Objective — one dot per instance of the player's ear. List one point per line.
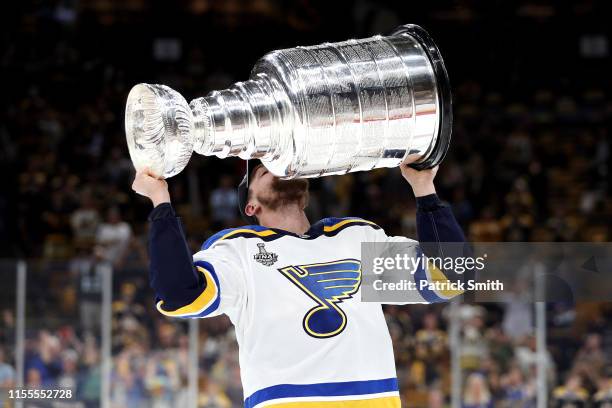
(251, 209)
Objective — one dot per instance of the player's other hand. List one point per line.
(147, 184)
(422, 182)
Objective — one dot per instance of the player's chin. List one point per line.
(295, 188)
(286, 192)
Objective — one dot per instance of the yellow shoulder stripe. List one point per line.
(344, 222)
(436, 275)
(200, 303)
(265, 233)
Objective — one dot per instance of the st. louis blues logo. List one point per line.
(328, 284)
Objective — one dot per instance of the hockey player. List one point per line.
(291, 289)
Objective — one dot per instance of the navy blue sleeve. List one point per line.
(171, 271)
(436, 222)
(437, 226)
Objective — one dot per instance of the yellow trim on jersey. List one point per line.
(436, 275)
(265, 233)
(344, 222)
(200, 303)
(384, 402)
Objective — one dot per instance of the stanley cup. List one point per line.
(307, 111)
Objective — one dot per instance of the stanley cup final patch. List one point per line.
(264, 257)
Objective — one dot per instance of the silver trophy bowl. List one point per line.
(307, 111)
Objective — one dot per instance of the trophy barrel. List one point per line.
(362, 104)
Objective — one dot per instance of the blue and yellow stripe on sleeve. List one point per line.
(433, 285)
(206, 303)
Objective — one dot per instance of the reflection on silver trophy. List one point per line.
(307, 111)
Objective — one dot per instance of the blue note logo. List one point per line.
(328, 284)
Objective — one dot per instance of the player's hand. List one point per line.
(147, 184)
(422, 182)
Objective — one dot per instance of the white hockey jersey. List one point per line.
(305, 338)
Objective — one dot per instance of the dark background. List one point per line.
(529, 160)
(530, 81)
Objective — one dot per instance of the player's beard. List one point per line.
(285, 193)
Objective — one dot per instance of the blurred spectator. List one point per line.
(603, 396)
(112, 236)
(162, 380)
(68, 379)
(126, 307)
(118, 166)
(7, 326)
(474, 347)
(430, 347)
(516, 391)
(128, 389)
(590, 361)
(214, 397)
(90, 381)
(436, 399)
(527, 357)
(591, 353)
(501, 347)
(487, 228)
(518, 317)
(7, 373)
(462, 207)
(33, 379)
(476, 394)
(571, 393)
(223, 203)
(88, 275)
(84, 220)
(43, 363)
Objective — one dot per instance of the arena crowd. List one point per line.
(529, 161)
